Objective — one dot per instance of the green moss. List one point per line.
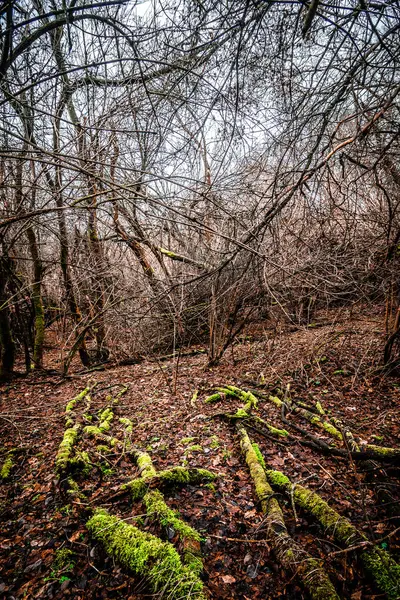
(117, 398)
(193, 399)
(105, 418)
(156, 507)
(146, 556)
(138, 487)
(92, 430)
(81, 462)
(128, 424)
(213, 398)
(278, 432)
(168, 253)
(271, 429)
(384, 570)
(73, 488)
(319, 408)
(7, 466)
(102, 448)
(384, 452)
(251, 402)
(65, 449)
(290, 554)
(72, 403)
(239, 414)
(185, 475)
(277, 478)
(260, 457)
(214, 442)
(145, 464)
(194, 448)
(187, 440)
(211, 487)
(263, 489)
(173, 476)
(332, 430)
(229, 391)
(63, 562)
(235, 391)
(193, 562)
(277, 401)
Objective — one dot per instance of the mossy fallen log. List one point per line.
(377, 562)
(290, 554)
(158, 509)
(147, 556)
(66, 448)
(317, 421)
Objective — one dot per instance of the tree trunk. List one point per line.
(37, 299)
(7, 347)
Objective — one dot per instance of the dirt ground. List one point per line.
(335, 361)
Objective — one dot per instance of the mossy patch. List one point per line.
(260, 457)
(127, 423)
(214, 442)
(194, 448)
(7, 466)
(187, 440)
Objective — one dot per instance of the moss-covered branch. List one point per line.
(70, 416)
(173, 476)
(377, 562)
(147, 556)
(292, 556)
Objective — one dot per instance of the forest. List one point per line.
(200, 299)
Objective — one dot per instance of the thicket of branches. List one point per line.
(170, 170)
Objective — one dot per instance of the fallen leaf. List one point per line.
(228, 579)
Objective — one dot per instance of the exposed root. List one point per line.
(289, 553)
(379, 563)
(147, 556)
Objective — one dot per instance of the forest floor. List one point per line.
(335, 361)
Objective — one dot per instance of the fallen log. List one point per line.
(290, 554)
(147, 556)
(377, 562)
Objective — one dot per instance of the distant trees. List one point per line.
(170, 171)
